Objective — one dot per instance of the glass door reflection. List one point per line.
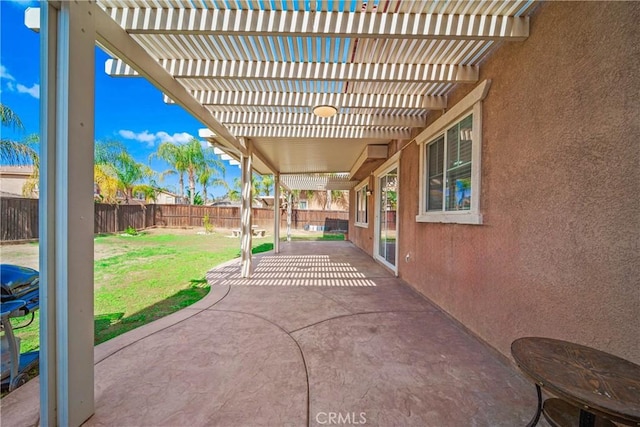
(388, 208)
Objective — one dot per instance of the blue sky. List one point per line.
(129, 110)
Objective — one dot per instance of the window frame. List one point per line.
(306, 205)
(469, 105)
(362, 187)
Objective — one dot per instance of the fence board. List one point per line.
(20, 218)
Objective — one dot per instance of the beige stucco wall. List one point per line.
(558, 253)
(13, 179)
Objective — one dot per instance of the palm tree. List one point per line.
(174, 155)
(130, 173)
(15, 153)
(340, 198)
(206, 177)
(9, 118)
(193, 160)
(266, 184)
(235, 193)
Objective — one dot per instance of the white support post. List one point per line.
(246, 233)
(67, 47)
(289, 217)
(276, 213)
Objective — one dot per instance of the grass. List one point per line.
(149, 277)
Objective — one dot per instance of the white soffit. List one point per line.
(336, 181)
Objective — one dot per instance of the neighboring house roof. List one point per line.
(19, 170)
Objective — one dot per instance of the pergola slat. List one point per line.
(339, 100)
(321, 23)
(318, 131)
(261, 70)
(282, 118)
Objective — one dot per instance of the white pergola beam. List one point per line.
(281, 118)
(310, 100)
(319, 131)
(307, 71)
(370, 152)
(228, 22)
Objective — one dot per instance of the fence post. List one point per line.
(144, 216)
(117, 218)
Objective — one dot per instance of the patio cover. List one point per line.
(258, 68)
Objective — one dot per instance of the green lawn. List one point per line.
(143, 278)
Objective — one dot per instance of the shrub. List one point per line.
(208, 226)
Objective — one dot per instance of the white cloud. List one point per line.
(152, 138)
(147, 137)
(33, 90)
(127, 134)
(4, 74)
(14, 86)
(176, 138)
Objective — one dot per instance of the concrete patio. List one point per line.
(321, 335)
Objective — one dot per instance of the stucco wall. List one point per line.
(361, 236)
(558, 253)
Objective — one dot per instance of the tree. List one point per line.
(235, 192)
(106, 154)
(16, 153)
(174, 155)
(340, 198)
(266, 184)
(206, 177)
(115, 169)
(130, 173)
(199, 160)
(193, 160)
(9, 118)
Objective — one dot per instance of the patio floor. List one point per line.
(321, 333)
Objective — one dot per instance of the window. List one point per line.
(449, 169)
(362, 206)
(450, 163)
(302, 204)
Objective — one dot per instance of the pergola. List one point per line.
(252, 72)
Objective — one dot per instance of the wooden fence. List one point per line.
(19, 218)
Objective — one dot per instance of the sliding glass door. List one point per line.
(386, 222)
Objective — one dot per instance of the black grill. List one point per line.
(20, 283)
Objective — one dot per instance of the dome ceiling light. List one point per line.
(325, 111)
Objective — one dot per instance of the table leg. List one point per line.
(536, 417)
(587, 419)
